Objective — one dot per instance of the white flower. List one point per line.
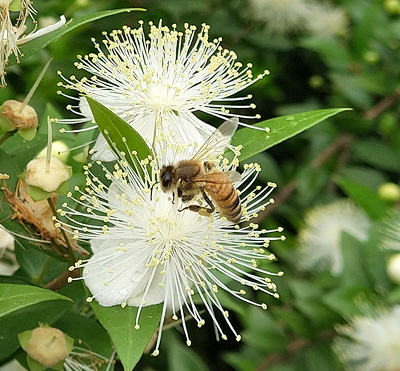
(280, 16)
(83, 359)
(8, 262)
(320, 238)
(326, 20)
(157, 83)
(145, 251)
(391, 232)
(372, 342)
(11, 33)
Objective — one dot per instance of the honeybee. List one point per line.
(199, 176)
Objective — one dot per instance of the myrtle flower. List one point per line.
(12, 32)
(157, 83)
(280, 16)
(326, 20)
(371, 342)
(320, 238)
(146, 251)
(391, 232)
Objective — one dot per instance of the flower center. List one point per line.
(161, 98)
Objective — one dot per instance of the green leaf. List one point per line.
(377, 154)
(368, 200)
(33, 46)
(22, 307)
(295, 321)
(120, 325)
(281, 128)
(354, 270)
(308, 301)
(27, 134)
(262, 331)
(86, 331)
(344, 300)
(181, 357)
(119, 134)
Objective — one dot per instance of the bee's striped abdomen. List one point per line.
(226, 197)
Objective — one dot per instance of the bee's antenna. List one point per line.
(151, 190)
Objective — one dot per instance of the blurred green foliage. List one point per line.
(350, 155)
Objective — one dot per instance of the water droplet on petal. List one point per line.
(123, 292)
(136, 276)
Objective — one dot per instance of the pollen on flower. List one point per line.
(156, 103)
(169, 255)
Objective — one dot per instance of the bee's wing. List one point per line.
(234, 176)
(219, 177)
(215, 145)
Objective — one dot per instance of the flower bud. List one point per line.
(392, 6)
(19, 119)
(393, 268)
(4, 3)
(58, 150)
(47, 346)
(47, 179)
(389, 192)
(371, 57)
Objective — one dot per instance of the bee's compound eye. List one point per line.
(166, 177)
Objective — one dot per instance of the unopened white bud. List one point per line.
(58, 149)
(47, 346)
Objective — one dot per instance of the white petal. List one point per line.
(43, 31)
(113, 276)
(102, 150)
(6, 241)
(85, 108)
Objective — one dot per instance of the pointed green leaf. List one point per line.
(367, 199)
(118, 133)
(280, 129)
(22, 307)
(120, 325)
(33, 46)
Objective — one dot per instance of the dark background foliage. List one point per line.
(348, 156)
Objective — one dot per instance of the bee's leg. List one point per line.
(207, 199)
(186, 198)
(201, 209)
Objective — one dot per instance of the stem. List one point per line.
(382, 106)
(6, 136)
(44, 270)
(344, 141)
(49, 144)
(72, 258)
(35, 85)
(62, 280)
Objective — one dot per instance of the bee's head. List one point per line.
(166, 178)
